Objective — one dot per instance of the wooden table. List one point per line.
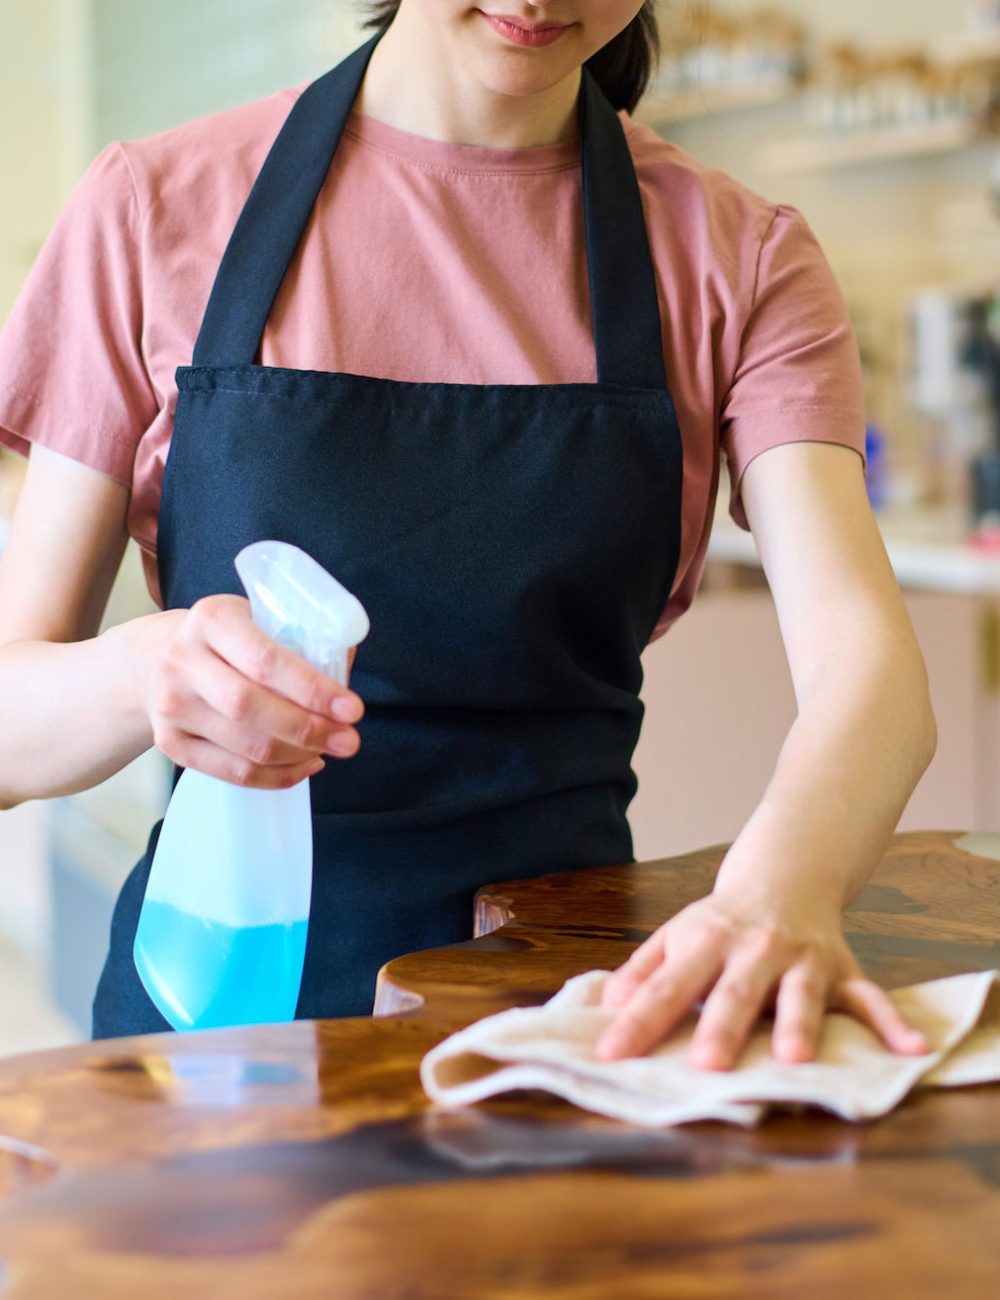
(303, 1160)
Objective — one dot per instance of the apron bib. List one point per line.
(514, 546)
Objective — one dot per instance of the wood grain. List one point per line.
(303, 1160)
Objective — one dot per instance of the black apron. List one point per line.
(514, 546)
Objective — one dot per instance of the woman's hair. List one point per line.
(622, 68)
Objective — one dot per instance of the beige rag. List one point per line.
(552, 1048)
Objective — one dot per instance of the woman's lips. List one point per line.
(513, 30)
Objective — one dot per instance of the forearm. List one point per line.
(771, 933)
(69, 717)
(862, 740)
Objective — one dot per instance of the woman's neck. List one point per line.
(416, 83)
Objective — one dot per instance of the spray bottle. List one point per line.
(221, 937)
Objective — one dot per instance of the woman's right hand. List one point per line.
(222, 697)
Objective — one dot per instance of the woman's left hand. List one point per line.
(746, 957)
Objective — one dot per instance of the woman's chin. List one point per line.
(520, 77)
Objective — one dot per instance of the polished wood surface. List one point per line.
(303, 1160)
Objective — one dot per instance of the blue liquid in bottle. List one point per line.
(207, 975)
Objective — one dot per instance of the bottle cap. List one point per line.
(301, 606)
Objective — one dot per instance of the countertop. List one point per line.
(304, 1160)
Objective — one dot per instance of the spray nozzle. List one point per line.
(301, 606)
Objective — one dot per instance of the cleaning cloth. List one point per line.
(552, 1048)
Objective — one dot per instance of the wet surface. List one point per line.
(938, 956)
(210, 1079)
(618, 933)
(886, 898)
(983, 1160)
(23, 1165)
(496, 941)
(252, 1199)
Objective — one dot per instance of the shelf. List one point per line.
(852, 148)
(708, 101)
(969, 50)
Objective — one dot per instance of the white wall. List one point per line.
(161, 62)
(77, 73)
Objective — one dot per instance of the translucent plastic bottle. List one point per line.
(222, 934)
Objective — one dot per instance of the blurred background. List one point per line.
(881, 123)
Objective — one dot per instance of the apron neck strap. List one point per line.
(624, 306)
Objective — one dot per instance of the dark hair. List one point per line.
(622, 68)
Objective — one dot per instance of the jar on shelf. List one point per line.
(900, 88)
(708, 61)
(953, 93)
(779, 42)
(841, 99)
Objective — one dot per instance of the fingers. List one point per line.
(731, 1011)
(225, 698)
(192, 751)
(242, 716)
(260, 748)
(873, 1007)
(798, 1014)
(623, 982)
(228, 628)
(744, 965)
(660, 1002)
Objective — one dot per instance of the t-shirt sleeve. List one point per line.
(798, 376)
(72, 374)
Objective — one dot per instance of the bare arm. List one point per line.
(203, 684)
(771, 932)
(865, 732)
(65, 721)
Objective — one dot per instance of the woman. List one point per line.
(475, 343)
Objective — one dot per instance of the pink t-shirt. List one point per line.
(423, 261)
